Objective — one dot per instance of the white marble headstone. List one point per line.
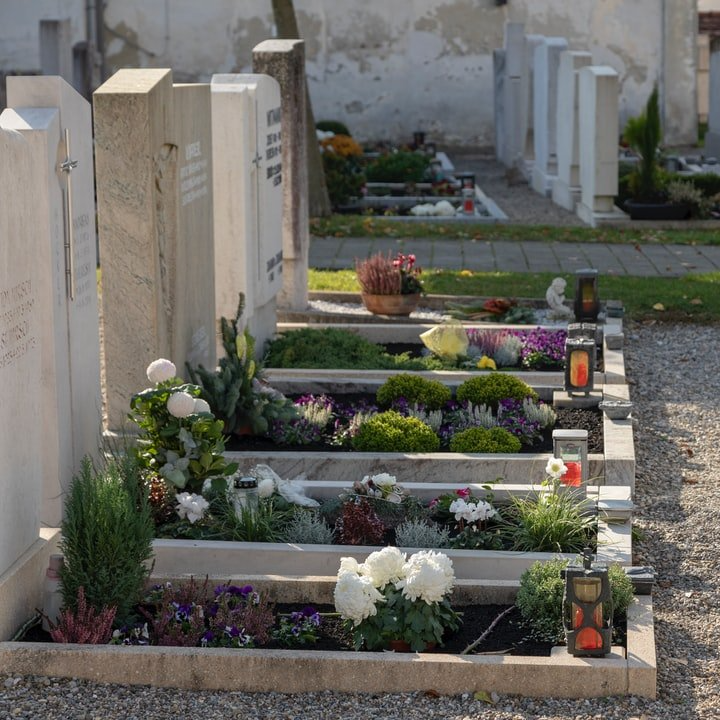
(566, 188)
(712, 136)
(513, 45)
(598, 89)
(69, 336)
(526, 97)
(247, 166)
(28, 142)
(545, 77)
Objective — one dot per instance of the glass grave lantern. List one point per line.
(571, 446)
(579, 364)
(586, 599)
(245, 495)
(587, 299)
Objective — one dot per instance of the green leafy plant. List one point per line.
(344, 178)
(540, 597)
(490, 389)
(333, 348)
(681, 192)
(415, 389)
(391, 432)
(398, 167)
(334, 126)
(235, 391)
(107, 534)
(485, 440)
(643, 134)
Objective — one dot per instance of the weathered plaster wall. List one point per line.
(389, 67)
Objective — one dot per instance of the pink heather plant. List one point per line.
(85, 626)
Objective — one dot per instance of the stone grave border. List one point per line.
(296, 671)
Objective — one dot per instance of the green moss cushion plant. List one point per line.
(415, 389)
(483, 440)
(540, 596)
(491, 389)
(391, 432)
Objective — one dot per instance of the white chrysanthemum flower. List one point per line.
(201, 406)
(429, 576)
(191, 506)
(181, 404)
(349, 565)
(444, 208)
(555, 468)
(384, 566)
(266, 487)
(355, 597)
(160, 370)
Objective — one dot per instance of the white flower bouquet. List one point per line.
(389, 597)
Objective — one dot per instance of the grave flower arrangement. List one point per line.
(180, 439)
(384, 275)
(392, 598)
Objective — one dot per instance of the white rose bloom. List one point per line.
(201, 406)
(429, 576)
(555, 468)
(355, 597)
(384, 566)
(266, 487)
(191, 506)
(181, 404)
(383, 480)
(160, 370)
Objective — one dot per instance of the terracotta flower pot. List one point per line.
(391, 304)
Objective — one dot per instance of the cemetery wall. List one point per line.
(390, 68)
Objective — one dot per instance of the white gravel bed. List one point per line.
(676, 389)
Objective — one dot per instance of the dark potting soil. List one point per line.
(567, 418)
(507, 637)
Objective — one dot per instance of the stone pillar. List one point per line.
(598, 89)
(284, 60)
(514, 34)
(526, 103)
(566, 188)
(499, 101)
(153, 153)
(712, 137)
(56, 53)
(545, 79)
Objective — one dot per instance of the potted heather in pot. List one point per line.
(390, 286)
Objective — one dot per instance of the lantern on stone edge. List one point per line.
(587, 299)
(579, 364)
(571, 446)
(586, 599)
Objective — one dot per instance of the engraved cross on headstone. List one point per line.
(67, 166)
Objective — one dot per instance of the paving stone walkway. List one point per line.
(518, 256)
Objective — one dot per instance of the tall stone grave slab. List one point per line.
(56, 53)
(712, 136)
(247, 176)
(545, 83)
(566, 188)
(598, 90)
(153, 155)
(526, 104)
(513, 45)
(284, 60)
(499, 101)
(64, 220)
(28, 145)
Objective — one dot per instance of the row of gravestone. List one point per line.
(556, 122)
(193, 186)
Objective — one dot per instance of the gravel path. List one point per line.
(676, 389)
